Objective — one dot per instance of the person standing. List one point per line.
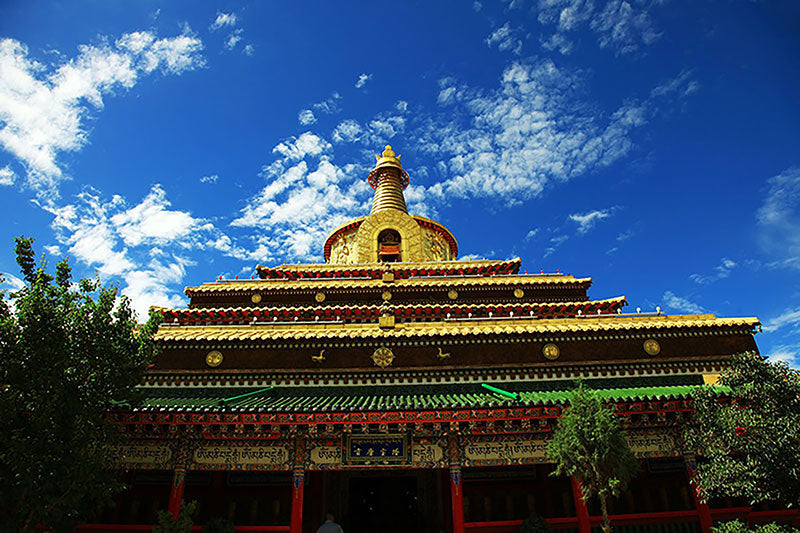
(330, 526)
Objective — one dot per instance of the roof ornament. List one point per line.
(388, 158)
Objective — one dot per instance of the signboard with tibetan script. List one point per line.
(154, 456)
(505, 451)
(273, 457)
(375, 450)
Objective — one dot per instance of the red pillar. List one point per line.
(582, 511)
(176, 492)
(296, 523)
(703, 512)
(457, 498)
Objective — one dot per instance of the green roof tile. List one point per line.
(435, 396)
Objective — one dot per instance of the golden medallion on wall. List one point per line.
(519, 293)
(256, 298)
(453, 294)
(214, 359)
(382, 356)
(320, 297)
(651, 347)
(551, 351)
(386, 296)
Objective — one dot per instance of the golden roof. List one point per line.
(453, 328)
(404, 265)
(413, 306)
(265, 285)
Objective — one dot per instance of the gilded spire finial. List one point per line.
(388, 158)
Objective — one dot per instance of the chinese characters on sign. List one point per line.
(376, 449)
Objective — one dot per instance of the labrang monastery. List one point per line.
(405, 390)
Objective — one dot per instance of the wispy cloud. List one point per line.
(779, 218)
(223, 20)
(721, 271)
(7, 176)
(620, 25)
(587, 221)
(790, 317)
(785, 353)
(505, 38)
(305, 195)
(362, 80)
(146, 245)
(43, 110)
(306, 117)
(537, 127)
(211, 178)
(683, 305)
(233, 39)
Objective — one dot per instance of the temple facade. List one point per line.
(403, 389)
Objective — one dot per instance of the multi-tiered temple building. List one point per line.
(403, 389)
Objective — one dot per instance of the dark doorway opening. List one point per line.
(383, 504)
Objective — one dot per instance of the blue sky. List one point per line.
(651, 145)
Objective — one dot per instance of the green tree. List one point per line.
(589, 444)
(747, 432)
(183, 524)
(738, 527)
(69, 353)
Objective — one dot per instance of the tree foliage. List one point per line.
(589, 444)
(738, 527)
(183, 524)
(748, 433)
(69, 353)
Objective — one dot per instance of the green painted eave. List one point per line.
(411, 397)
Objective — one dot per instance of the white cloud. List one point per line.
(223, 20)
(531, 234)
(248, 50)
(784, 353)
(144, 245)
(348, 131)
(305, 195)
(307, 144)
(10, 282)
(233, 39)
(779, 218)
(587, 221)
(682, 305)
(53, 250)
(624, 26)
(330, 105)
(362, 80)
(401, 106)
(535, 128)
(721, 271)
(152, 223)
(211, 178)
(7, 176)
(506, 39)
(790, 317)
(43, 110)
(306, 117)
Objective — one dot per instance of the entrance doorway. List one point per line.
(384, 504)
(378, 501)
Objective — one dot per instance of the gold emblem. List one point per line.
(386, 296)
(519, 293)
(453, 294)
(382, 356)
(651, 347)
(320, 297)
(551, 351)
(214, 359)
(256, 298)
